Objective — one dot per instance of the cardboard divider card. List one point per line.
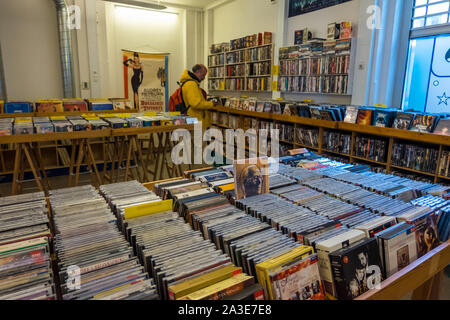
(148, 209)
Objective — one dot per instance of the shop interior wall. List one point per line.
(240, 18)
(317, 22)
(243, 17)
(29, 38)
(138, 30)
(30, 49)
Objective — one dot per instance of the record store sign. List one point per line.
(298, 7)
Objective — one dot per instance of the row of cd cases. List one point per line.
(163, 257)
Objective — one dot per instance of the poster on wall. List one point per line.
(298, 7)
(145, 80)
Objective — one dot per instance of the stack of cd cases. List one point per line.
(95, 262)
(25, 264)
(170, 250)
(245, 239)
(356, 195)
(127, 194)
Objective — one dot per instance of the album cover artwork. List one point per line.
(355, 268)
(251, 177)
(403, 257)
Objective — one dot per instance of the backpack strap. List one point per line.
(182, 99)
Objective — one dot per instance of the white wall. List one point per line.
(243, 17)
(240, 18)
(29, 37)
(317, 21)
(138, 30)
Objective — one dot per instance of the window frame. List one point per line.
(432, 30)
(423, 32)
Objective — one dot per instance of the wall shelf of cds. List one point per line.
(244, 64)
(393, 150)
(318, 67)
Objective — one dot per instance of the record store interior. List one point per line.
(225, 150)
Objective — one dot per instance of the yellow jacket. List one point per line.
(195, 101)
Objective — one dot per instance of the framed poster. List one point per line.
(298, 7)
(146, 80)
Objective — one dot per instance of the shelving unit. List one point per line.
(302, 77)
(223, 83)
(355, 130)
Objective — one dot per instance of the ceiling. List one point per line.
(188, 3)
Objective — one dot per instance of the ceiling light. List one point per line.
(153, 6)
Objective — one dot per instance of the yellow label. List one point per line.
(148, 209)
(274, 85)
(87, 115)
(23, 121)
(92, 118)
(108, 115)
(307, 100)
(279, 99)
(58, 118)
(175, 113)
(123, 115)
(222, 85)
(275, 70)
(49, 101)
(150, 114)
(381, 105)
(227, 187)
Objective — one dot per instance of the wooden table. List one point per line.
(27, 152)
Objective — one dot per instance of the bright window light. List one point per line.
(146, 15)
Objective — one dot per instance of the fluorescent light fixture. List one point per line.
(144, 15)
(147, 5)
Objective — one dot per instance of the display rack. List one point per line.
(68, 113)
(421, 277)
(306, 73)
(217, 82)
(115, 147)
(391, 136)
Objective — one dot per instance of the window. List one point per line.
(430, 12)
(427, 80)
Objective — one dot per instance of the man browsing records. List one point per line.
(193, 95)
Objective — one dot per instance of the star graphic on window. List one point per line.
(443, 99)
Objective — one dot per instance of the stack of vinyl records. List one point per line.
(294, 221)
(125, 195)
(183, 264)
(299, 174)
(375, 202)
(271, 236)
(245, 239)
(95, 262)
(278, 181)
(25, 264)
(322, 204)
(172, 252)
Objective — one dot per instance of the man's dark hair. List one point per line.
(197, 68)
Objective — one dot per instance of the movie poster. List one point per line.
(145, 80)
